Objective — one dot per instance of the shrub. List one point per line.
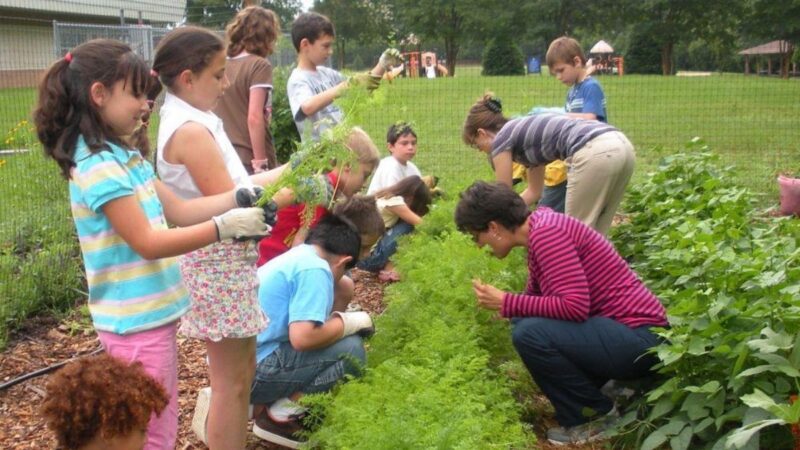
(644, 53)
(40, 266)
(729, 281)
(284, 132)
(503, 57)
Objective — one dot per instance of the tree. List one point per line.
(355, 21)
(216, 14)
(771, 20)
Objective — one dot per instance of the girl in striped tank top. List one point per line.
(585, 317)
(599, 157)
(91, 108)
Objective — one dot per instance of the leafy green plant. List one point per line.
(503, 57)
(285, 137)
(436, 375)
(729, 279)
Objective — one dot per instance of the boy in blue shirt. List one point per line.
(307, 347)
(585, 100)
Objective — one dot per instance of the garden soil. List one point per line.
(44, 341)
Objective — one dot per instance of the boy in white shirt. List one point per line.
(402, 143)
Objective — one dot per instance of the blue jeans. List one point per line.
(570, 361)
(555, 197)
(286, 370)
(385, 248)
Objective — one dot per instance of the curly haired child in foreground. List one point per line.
(100, 402)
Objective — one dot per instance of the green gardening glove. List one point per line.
(390, 58)
(367, 80)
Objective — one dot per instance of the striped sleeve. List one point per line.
(562, 276)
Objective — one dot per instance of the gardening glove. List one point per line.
(356, 322)
(249, 195)
(366, 79)
(241, 222)
(545, 110)
(390, 57)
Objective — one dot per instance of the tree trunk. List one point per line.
(666, 58)
(340, 44)
(451, 53)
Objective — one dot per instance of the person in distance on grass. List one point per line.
(89, 112)
(100, 402)
(312, 87)
(307, 347)
(600, 157)
(585, 317)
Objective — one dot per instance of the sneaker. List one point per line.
(200, 417)
(284, 433)
(587, 432)
(388, 276)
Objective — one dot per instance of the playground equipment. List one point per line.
(603, 62)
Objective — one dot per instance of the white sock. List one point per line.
(283, 408)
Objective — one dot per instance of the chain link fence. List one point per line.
(750, 121)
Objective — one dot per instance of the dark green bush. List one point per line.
(284, 132)
(503, 57)
(644, 54)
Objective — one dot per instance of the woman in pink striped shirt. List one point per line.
(585, 317)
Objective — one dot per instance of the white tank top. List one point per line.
(174, 113)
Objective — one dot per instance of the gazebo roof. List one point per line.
(770, 48)
(601, 47)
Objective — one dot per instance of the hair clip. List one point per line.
(68, 57)
(153, 73)
(494, 105)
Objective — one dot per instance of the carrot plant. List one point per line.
(435, 377)
(730, 279)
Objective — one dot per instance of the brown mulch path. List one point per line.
(44, 341)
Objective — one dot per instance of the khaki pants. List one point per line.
(598, 174)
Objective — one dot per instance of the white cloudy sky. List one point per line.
(307, 4)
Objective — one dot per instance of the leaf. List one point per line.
(654, 440)
(682, 440)
(773, 342)
(758, 399)
(739, 438)
(663, 406)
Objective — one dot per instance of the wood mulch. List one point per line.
(44, 341)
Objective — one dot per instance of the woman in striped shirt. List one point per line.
(585, 317)
(599, 157)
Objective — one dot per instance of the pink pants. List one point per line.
(157, 350)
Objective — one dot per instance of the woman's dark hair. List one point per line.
(311, 26)
(486, 113)
(100, 396)
(485, 202)
(185, 48)
(337, 236)
(397, 130)
(413, 190)
(65, 109)
(254, 30)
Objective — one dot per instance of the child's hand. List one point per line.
(369, 81)
(390, 58)
(488, 296)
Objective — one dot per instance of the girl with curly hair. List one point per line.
(100, 402)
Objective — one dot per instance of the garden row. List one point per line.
(438, 367)
(730, 278)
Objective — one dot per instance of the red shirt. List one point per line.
(290, 220)
(575, 273)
